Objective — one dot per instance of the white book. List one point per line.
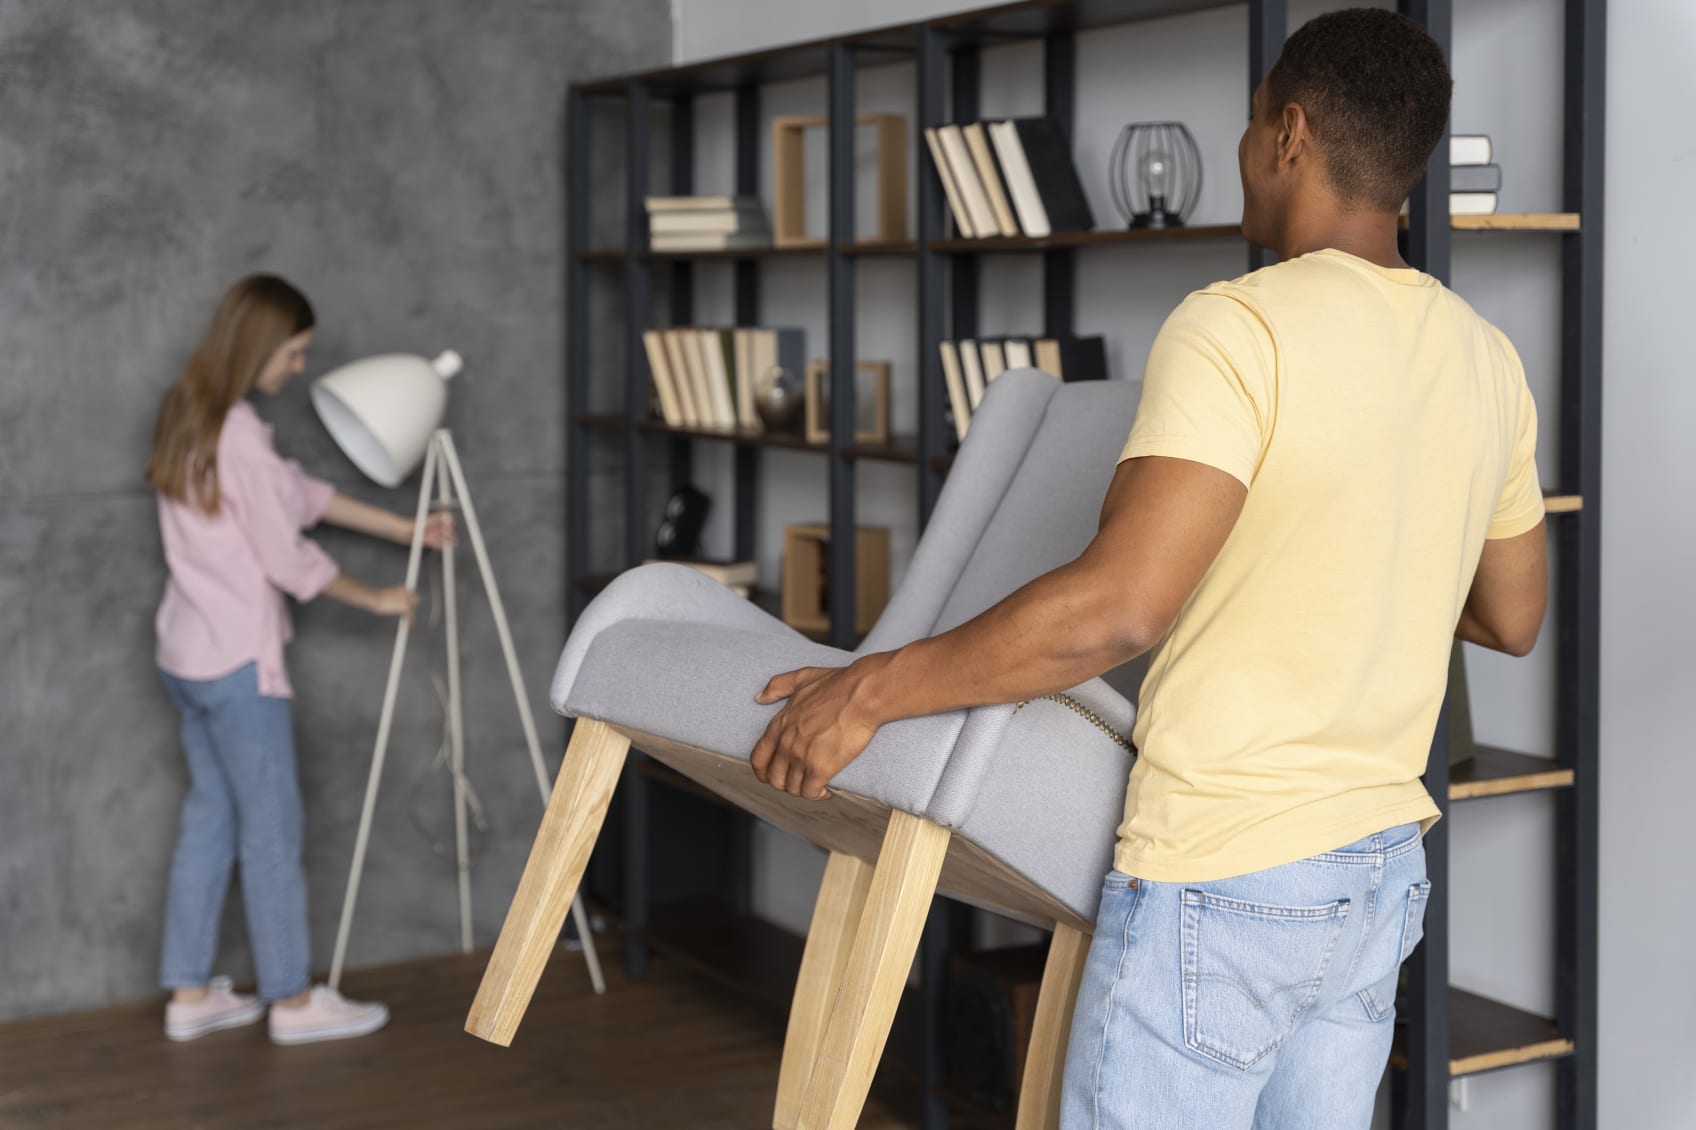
(1018, 354)
(958, 404)
(972, 366)
(683, 382)
(1021, 186)
(718, 379)
(994, 360)
(966, 177)
(962, 219)
(1472, 203)
(979, 147)
(695, 223)
(658, 370)
(1470, 149)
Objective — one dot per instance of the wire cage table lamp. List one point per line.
(1156, 174)
(385, 413)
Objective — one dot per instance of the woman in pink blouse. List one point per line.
(232, 515)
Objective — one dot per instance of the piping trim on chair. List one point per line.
(1087, 714)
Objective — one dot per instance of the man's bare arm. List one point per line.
(1504, 608)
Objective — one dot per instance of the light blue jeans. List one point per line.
(243, 803)
(1262, 1002)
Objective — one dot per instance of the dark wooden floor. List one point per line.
(672, 1050)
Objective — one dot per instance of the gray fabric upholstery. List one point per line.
(1048, 513)
(1000, 437)
(665, 650)
(695, 683)
(1049, 802)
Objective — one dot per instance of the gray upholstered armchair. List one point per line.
(1012, 808)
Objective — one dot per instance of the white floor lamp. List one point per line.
(386, 413)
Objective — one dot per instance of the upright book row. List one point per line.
(709, 378)
(1009, 178)
(969, 367)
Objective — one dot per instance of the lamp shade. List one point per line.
(383, 410)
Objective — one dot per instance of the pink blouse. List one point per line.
(224, 605)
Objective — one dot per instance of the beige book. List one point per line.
(746, 417)
(966, 177)
(994, 360)
(962, 219)
(1048, 356)
(1018, 354)
(985, 163)
(660, 373)
(681, 381)
(957, 401)
(696, 358)
(972, 366)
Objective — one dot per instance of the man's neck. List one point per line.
(1365, 235)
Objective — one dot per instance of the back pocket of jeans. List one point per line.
(1394, 947)
(1250, 971)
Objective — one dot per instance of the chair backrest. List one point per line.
(1023, 498)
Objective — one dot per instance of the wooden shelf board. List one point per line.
(1517, 221)
(1096, 238)
(899, 449)
(1499, 772)
(791, 440)
(1486, 1035)
(1562, 503)
(601, 421)
(871, 247)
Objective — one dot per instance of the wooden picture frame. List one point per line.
(789, 200)
(873, 429)
(806, 582)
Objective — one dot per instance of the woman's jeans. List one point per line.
(243, 803)
(1262, 1002)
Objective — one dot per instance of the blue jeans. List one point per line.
(1262, 1002)
(243, 803)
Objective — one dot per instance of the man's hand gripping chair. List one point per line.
(1011, 808)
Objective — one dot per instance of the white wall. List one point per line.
(1507, 65)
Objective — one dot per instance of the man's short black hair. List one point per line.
(1375, 88)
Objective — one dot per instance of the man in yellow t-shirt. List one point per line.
(1330, 478)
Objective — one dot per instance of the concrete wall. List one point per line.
(1507, 62)
(400, 161)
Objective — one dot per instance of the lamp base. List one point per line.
(1155, 220)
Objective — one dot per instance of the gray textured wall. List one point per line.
(399, 160)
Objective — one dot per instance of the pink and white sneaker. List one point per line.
(220, 1008)
(327, 1015)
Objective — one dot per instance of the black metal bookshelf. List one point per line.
(1446, 1032)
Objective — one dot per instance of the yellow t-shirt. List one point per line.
(1384, 430)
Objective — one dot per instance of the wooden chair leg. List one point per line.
(903, 884)
(570, 825)
(1045, 1061)
(836, 919)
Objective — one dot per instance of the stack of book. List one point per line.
(737, 576)
(706, 223)
(706, 378)
(969, 367)
(1474, 182)
(1009, 178)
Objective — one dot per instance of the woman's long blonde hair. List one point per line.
(254, 319)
